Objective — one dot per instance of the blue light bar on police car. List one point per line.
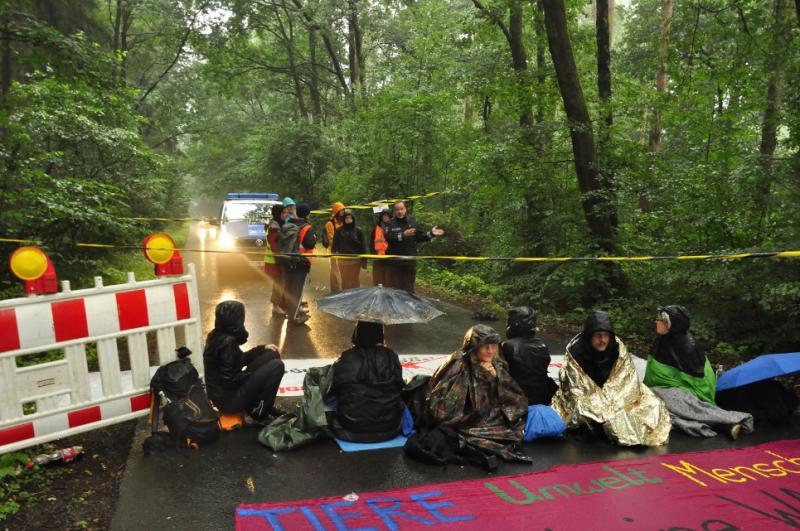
(252, 195)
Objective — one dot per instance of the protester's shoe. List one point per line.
(736, 430)
(277, 312)
(301, 319)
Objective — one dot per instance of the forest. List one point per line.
(553, 128)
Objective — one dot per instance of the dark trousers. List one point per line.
(277, 288)
(294, 278)
(350, 270)
(336, 286)
(264, 372)
(400, 275)
(378, 272)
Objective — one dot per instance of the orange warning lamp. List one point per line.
(35, 269)
(160, 250)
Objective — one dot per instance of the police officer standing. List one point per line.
(402, 234)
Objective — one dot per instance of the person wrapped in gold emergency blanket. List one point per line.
(600, 390)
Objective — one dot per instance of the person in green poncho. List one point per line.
(681, 375)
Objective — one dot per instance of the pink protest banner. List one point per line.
(748, 488)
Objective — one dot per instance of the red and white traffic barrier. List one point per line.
(72, 320)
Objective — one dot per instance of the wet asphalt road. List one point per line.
(223, 276)
(200, 490)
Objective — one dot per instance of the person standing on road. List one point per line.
(289, 205)
(402, 234)
(270, 266)
(337, 215)
(349, 239)
(240, 381)
(299, 235)
(379, 245)
(527, 356)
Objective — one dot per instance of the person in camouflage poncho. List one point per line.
(473, 394)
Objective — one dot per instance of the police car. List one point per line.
(244, 218)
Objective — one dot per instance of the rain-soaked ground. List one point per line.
(200, 490)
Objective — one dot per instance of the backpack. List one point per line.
(177, 390)
(289, 239)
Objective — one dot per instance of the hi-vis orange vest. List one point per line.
(380, 244)
(303, 231)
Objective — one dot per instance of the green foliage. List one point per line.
(13, 476)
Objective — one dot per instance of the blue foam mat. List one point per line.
(346, 446)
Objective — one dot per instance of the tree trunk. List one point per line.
(604, 67)
(356, 52)
(6, 67)
(769, 125)
(661, 75)
(541, 74)
(316, 103)
(520, 62)
(487, 113)
(597, 202)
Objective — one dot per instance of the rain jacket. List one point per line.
(222, 357)
(399, 244)
(487, 411)
(349, 239)
(527, 356)
(678, 361)
(377, 239)
(273, 229)
(628, 411)
(332, 224)
(367, 383)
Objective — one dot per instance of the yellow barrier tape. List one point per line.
(323, 211)
(260, 253)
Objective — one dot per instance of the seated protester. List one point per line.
(527, 356)
(240, 381)
(349, 239)
(367, 382)
(600, 388)
(473, 394)
(681, 375)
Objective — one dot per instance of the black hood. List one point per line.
(521, 322)
(597, 321)
(596, 364)
(367, 334)
(679, 318)
(276, 213)
(380, 215)
(678, 348)
(477, 336)
(229, 319)
(351, 226)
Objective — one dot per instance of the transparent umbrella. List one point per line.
(377, 304)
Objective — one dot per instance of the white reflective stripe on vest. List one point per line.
(65, 396)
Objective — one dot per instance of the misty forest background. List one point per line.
(574, 128)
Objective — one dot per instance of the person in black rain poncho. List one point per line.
(240, 381)
(367, 382)
(681, 375)
(349, 239)
(600, 389)
(527, 356)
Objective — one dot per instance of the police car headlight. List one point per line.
(225, 241)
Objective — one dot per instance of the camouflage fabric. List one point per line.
(488, 412)
(627, 409)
